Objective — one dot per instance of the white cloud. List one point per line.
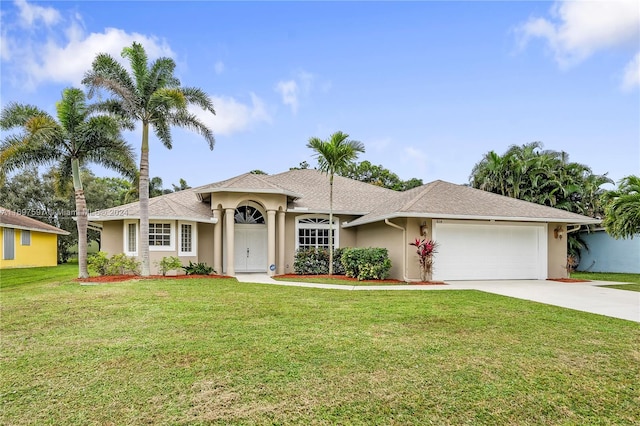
(233, 116)
(298, 88)
(289, 92)
(219, 67)
(578, 29)
(631, 77)
(34, 60)
(30, 13)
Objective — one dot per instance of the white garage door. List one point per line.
(485, 252)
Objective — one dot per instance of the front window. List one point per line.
(25, 238)
(187, 238)
(248, 215)
(313, 232)
(159, 235)
(131, 238)
(8, 244)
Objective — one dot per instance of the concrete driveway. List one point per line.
(587, 297)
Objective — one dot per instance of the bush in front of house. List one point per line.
(315, 261)
(168, 263)
(370, 263)
(118, 264)
(200, 268)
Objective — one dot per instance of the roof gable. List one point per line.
(11, 219)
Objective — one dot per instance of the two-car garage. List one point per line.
(489, 250)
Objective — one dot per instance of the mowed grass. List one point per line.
(213, 351)
(632, 279)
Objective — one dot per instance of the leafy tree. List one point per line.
(152, 95)
(334, 156)
(302, 166)
(622, 211)
(183, 185)
(74, 139)
(546, 177)
(258, 172)
(378, 175)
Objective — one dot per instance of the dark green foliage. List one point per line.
(200, 268)
(379, 176)
(371, 263)
(314, 261)
(169, 263)
(118, 264)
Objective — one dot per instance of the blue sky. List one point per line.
(428, 87)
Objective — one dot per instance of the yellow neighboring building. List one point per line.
(27, 242)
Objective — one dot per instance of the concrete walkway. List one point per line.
(587, 297)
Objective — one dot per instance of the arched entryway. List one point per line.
(250, 235)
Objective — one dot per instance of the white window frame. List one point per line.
(194, 239)
(25, 237)
(125, 240)
(172, 236)
(299, 226)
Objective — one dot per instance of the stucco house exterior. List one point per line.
(606, 254)
(255, 223)
(27, 242)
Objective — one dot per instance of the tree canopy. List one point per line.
(151, 94)
(378, 175)
(622, 209)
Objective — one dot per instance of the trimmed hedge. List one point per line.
(314, 261)
(371, 263)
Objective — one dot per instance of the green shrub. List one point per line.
(118, 264)
(366, 263)
(168, 263)
(198, 269)
(98, 263)
(312, 261)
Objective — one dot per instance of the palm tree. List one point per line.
(622, 209)
(76, 138)
(334, 156)
(152, 95)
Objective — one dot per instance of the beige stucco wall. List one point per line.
(231, 200)
(111, 238)
(382, 235)
(113, 243)
(205, 244)
(556, 252)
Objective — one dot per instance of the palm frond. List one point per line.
(183, 118)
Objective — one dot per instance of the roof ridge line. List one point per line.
(429, 186)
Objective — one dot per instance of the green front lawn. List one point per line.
(214, 351)
(633, 279)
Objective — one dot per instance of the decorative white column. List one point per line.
(280, 264)
(271, 241)
(229, 226)
(217, 241)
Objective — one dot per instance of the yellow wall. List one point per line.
(43, 250)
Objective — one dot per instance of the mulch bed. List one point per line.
(120, 278)
(568, 280)
(342, 277)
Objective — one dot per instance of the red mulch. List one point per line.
(120, 278)
(568, 280)
(345, 278)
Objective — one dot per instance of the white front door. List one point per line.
(250, 248)
(468, 251)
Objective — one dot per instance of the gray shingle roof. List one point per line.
(445, 200)
(11, 219)
(309, 191)
(177, 205)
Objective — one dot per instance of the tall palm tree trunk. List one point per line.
(81, 214)
(144, 200)
(331, 224)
